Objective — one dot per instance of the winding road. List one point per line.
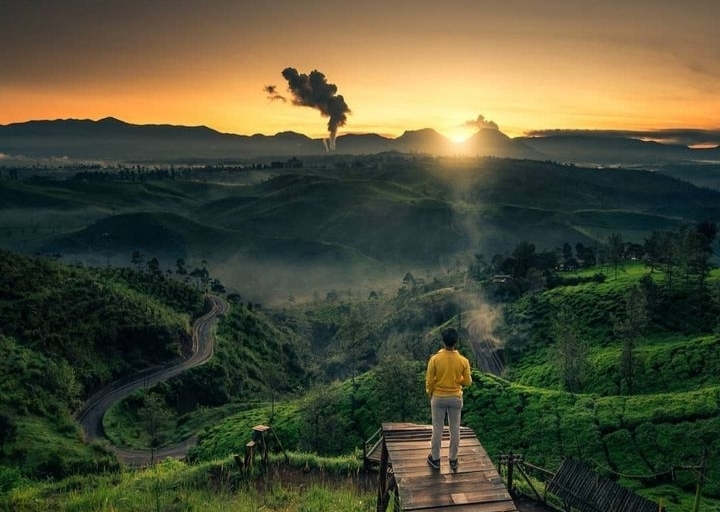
(484, 343)
(90, 417)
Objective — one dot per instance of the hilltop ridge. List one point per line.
(110, 138)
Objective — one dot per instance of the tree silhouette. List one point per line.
(400, 388)
(137, 259)
(629, 329)
(8, 429)
(156, 418)
(652, 250)
(181, 268)
(615, 250)
(570, 353)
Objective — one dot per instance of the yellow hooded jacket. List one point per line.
(447, 371)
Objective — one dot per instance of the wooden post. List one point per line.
(382, 480)
(260, 439)
(287, 458)
(249, 455)
(510, 472)
(239, 462)
(699, 485)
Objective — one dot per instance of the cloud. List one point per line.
(481, 123)
(680, 136)
(272, 93)
(313, 90)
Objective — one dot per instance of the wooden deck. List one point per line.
(475, 486)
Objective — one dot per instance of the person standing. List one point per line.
(447, 372)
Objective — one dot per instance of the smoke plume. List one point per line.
(272, 93)
(481, 123)
(314, 91)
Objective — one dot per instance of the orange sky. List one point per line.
(400, 64)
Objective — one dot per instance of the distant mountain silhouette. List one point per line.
(489, 142)
(602, 150)
(113, 139)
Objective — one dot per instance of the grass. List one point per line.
(211, 486)
(640, 435)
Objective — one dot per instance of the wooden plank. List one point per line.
(475, 486)
(441, 500)
(420, 466)
(424, 439)
(497, 506)
(399, 447)
(424, 485)
(486, 479)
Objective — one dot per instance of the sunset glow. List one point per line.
(523, 65)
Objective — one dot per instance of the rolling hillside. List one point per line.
(373, 351)
(337, 225)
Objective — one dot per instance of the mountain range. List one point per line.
(113, 139)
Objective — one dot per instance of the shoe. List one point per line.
(435, 463)
(453, 464)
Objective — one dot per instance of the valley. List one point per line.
(587, 300)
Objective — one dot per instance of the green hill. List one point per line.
(67, 331)
(341, 222)
(331, 245)
(364, 357)
(664, 428)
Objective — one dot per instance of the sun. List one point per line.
(459, 135)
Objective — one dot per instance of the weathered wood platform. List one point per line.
(475, 486)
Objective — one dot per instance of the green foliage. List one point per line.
(265, 355)
(97, 321)
(66, 331)
(255, 358)
(10, 478)
(214, 486)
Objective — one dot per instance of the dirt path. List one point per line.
(90, 417)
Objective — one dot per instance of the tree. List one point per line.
(205, 274)
(479, 268)
(138, 259)
(180, 267)
(668, 255)
(216, 286)
(156, 419)
(709, 230)
(585, 255)
(325, 423)
(523, 255)
(153, 266)
(546, 262)
(199, 276)
(570, 350)
(400, 388)
(629, 329)
(409, 282)
(8, 429)
(697, 251)
(615, 250)
(652, 250)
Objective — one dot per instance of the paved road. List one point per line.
(90, 417)
(483, 342)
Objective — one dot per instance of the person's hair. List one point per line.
(450, 337)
